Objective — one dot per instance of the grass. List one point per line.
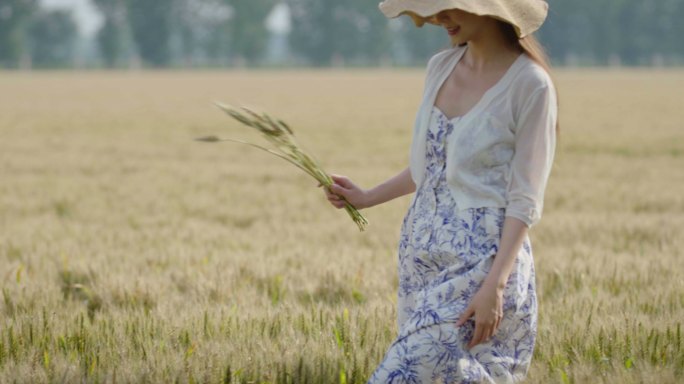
(131, 253)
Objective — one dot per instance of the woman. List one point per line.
(482, 151)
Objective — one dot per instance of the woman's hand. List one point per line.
(487, 307)
(342, 189)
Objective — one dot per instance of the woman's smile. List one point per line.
(453, 31)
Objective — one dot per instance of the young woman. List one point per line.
(482, 151)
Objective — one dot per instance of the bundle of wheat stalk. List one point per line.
(286, 147)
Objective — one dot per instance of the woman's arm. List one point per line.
(487, 304)
(397, 186)
(531, 164)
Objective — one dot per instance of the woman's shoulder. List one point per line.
(533, 76)
(533, 84)
(442, 58)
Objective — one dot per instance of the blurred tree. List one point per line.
(150, 22)
(247, 29)
(605, 39)
(214, 38)
(328, 31)
(111, 34)
(555, 34)
(14, 15)
(325, 32)
(193, 22)
(313, 30)
(370, 33)
(670, 28)
(53, 34)
(599, 32)
(185, 24)
(677, 42)
(635, 23)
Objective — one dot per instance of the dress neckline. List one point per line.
(451, 120)
(501, 83)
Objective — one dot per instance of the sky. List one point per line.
(89, 19)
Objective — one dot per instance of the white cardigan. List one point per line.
(500, 152)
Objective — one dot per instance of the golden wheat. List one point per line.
(129, 253)
(286, 147)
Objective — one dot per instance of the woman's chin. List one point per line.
(455, 40)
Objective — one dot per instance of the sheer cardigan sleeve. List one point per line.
(535, 142)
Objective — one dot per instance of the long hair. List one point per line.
(533, 49)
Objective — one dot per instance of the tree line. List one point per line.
(201, 33)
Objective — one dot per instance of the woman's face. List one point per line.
(460, 25)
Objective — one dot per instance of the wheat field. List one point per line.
(131, 253)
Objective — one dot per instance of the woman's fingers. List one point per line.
(465, 316)
(344, 191)
(477, 335)
(479, 329)
(334, 195)
(335, 188)
(342, 180)
(340, 190)
(484, 331)
(333, 192)
(496, 326)
(329, 193)
(489, 333)
(336, 201)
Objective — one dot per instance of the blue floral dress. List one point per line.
(445, 254)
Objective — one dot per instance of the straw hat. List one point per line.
(526, 16)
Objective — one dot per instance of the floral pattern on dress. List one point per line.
(445, 254)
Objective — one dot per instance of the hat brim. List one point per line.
(526, 16)
(419, 20)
